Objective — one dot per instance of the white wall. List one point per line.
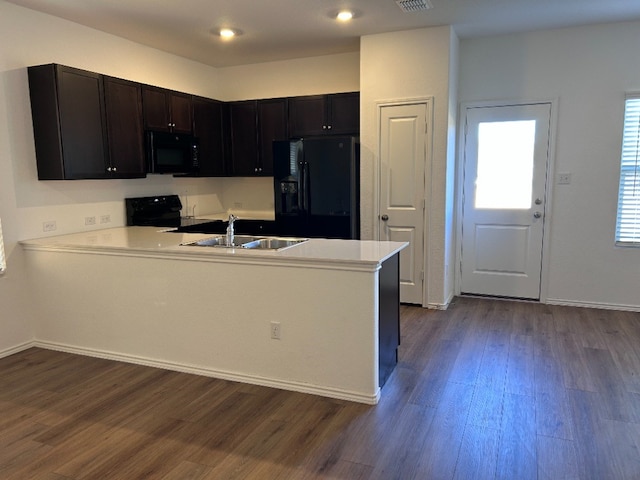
(408, 65)
(303, 76)
(588, 70)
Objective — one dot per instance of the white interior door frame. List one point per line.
(462, 116)
(380, 104)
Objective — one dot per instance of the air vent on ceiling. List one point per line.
(412, 6)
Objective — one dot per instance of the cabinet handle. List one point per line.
(328, 127)
(108, 169)
(114, 169)
(324, 127)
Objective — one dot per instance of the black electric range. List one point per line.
(164, 211)
(160, 211)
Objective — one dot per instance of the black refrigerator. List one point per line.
(317, 187)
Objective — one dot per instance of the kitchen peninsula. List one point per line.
(142, 296)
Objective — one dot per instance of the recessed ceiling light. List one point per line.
(344, 15)
(227, 32)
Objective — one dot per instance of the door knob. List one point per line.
(537, 215)
(384, 218)
(538, 201)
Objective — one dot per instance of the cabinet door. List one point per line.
(155, 107)
(244, 138)
(82, 123)
(307, 115)
(272, 122)
(181, 116)
(343, 111)
(123, 104)
(207, 124)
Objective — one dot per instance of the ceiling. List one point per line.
(285, 29)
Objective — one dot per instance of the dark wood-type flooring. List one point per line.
(485, 390)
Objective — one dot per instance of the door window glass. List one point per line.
(505, 164)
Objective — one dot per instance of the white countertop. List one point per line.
(158, 242)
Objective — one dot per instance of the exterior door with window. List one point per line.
(506, 151)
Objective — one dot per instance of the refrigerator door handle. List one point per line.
(305, 187)
(301, 186)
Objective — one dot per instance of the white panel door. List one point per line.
(506, 153)
(402, 190)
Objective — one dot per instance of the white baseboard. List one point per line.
(16, 349)
(209, 372)
(441, 306)
(604, 306)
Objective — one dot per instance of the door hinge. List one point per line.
(422, 275)
(424, 204)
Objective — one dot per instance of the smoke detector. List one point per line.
(413, 6)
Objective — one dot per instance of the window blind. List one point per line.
(3, 264)
(628, 219)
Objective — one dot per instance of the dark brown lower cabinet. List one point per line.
(389, 317)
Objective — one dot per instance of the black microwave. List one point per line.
(171, 153)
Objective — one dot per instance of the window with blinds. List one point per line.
(628, 220)
(3, 264)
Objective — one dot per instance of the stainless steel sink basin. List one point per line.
(274, 243)
(221, 241)
(248, 241)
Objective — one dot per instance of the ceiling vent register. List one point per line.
(413, 6)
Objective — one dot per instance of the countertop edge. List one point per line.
(291, 262)
(149, 242)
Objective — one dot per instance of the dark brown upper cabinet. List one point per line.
(243, 129)
(272, 125)
(207, 127)
(253, 126)
(333, 114)
(69, 126)
(166, 110)
(85, 125)
(125, 136)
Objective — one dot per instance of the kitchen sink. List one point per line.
(274, 243)
(248, 241)
(221, 241)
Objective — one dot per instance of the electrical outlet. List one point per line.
(89, 220)
(49, 226)
(564, 179)
(275, 330)
(105, 219)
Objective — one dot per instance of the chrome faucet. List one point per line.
(232, 219)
